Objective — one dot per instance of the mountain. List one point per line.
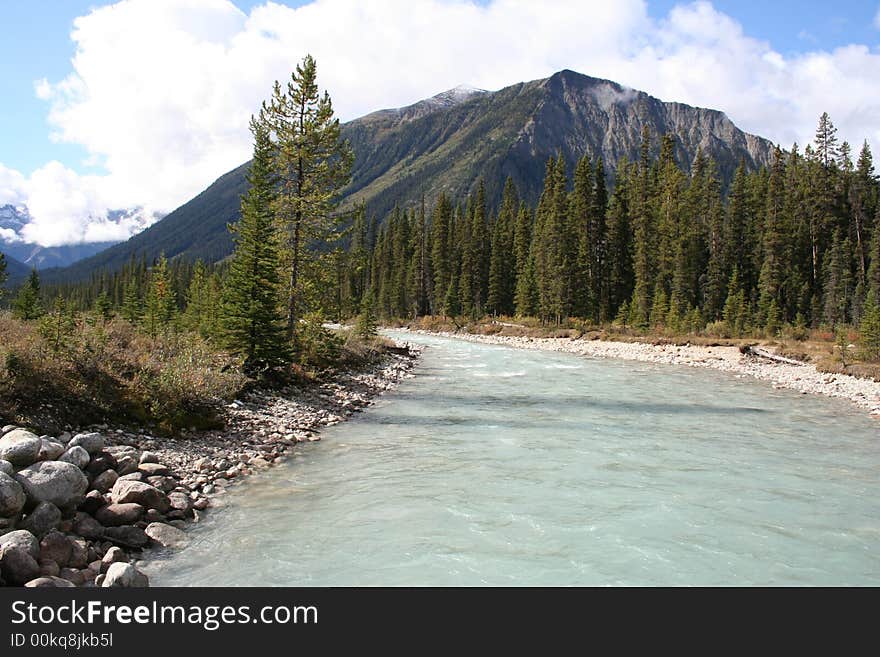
(446, 143)
(14, 218)
(16, 271)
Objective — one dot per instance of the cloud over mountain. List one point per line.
(160, 92)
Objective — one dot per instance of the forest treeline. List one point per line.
(797, 243)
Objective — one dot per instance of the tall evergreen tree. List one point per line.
(252, 323)
(27, 304)
(312, 164)
(160, 307)
(132, 305)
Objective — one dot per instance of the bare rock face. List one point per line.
(12, 497)
(20, 447)
(62, 484)
(125, 575)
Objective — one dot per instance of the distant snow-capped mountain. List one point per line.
(13, 219)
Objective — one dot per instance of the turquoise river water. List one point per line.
(497, 466)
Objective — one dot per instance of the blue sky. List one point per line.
(157, 107)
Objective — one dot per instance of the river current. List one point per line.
(498, 466)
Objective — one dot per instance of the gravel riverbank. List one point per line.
(84, 509)
(804, 378)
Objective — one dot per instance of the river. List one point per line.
(497, 466)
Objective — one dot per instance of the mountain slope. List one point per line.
(16, 271)
(447, 142)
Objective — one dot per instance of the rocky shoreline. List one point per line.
(84, 509)
(804, 378)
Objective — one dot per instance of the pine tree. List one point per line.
(838, 285)
(502, 264)
(772, 276)
(252, 323)
(441, 248)
(161, 303)
(525, 293)
(103, 306)
(58, 325)
(452, 301)
(644, 237)
(365, 328)
(197, 300)
(619, 245)
(659, 307)
(27, 304)
(869, 329)
(132, 306)
(735, 308)
(312, 164)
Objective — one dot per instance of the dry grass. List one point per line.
(112, 372)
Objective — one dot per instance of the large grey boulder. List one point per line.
(6, 467)
(93, 442)
(62, 484)
(122, 574)
(17, 566)
(77, 456)
(166, 535)
(49, 582)
(22, 539)
(12, 497)
(116, 515)
(50, 450)
(127, 490)
(20, 447)
(43, 519)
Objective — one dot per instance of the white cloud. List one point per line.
(161, 91)
(12, 187)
